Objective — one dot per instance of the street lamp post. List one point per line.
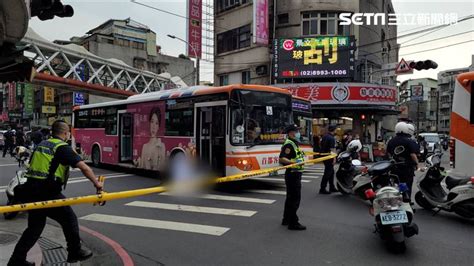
(195, 55)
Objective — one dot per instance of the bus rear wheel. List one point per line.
(95, 156)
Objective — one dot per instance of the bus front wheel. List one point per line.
(95, 156)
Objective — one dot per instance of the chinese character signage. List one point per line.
(78, 98)
(194, 28)
(48, 95)
(28, 99)
(318, 57)
(416, 92)
(260, 22)
(343, 93)
(11, 96)
(48, 109)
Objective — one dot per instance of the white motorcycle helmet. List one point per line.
(354, 145)
(400, 127)
(410, 129)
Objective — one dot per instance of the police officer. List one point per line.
(403, 149)
(290, 154)
(328, 144)
(47, 173)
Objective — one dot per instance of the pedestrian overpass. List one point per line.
(71, 67)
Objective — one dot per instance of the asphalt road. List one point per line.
(246, 230)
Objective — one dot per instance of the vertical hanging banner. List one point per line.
(48, 95)
(260, 22)
(11, 95)
(194, 28)
(28, 99)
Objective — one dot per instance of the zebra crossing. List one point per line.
(204, 204)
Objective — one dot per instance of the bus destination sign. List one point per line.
(318, 57)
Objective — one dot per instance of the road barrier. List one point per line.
(105, 196)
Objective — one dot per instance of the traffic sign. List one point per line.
(403, 68)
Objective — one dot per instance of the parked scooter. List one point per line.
(22, 155)
(391, 207)
(349, 167)
(458, 196)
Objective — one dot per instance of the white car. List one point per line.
(433, 140)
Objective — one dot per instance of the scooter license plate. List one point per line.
(396, 217)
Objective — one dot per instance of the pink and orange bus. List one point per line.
(232, 129)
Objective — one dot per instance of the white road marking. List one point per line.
(276, 179)
(157, 224)
(311, 176)
(76, 180)
(83, 179)
(227, 198)
(11, 164)
(274, 192)
(190, 208)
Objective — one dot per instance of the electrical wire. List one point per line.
(437, 48)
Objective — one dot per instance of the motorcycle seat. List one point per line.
(454, 181)
(379, 168)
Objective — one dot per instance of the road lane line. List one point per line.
(311, 176)
(276, 179)
(8, 164)
(190, 208)
(157, 224)
(226, 198)
(274, 192)
(75, 180)
(80, 180)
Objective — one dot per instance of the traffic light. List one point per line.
(427, 64)
(362, 117)
(47, 9)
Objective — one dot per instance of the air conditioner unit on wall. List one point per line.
(261, 70)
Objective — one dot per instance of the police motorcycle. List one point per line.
(457, 197)
(349, 167)
(22, 155)
(390, 206)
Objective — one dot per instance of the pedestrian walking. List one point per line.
(9, 137)
(20, 138)
(328, 144)
(47, 174)
(290, 154)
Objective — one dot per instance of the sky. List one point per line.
(91, 13)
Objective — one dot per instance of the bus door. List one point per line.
(125, 136)
(210, 134)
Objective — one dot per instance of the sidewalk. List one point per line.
(51, 247)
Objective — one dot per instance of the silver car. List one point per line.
(433, 140)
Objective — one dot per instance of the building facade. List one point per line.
(135, 45)
(338, 67)
(419, 97)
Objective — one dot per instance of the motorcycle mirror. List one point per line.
(356, 162)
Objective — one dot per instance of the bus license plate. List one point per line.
(397, 217)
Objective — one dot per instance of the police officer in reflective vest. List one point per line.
(47, 174)
(290, 154)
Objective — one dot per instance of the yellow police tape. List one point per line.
(104, 196)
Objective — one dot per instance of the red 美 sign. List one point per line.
(194, 34)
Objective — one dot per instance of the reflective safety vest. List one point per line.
(42, 158)
(299, 155)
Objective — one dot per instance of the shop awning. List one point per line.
(382, 110)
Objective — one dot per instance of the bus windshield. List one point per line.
(259, 117)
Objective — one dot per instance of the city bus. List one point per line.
(303, 117)
(231, 129)
(462, 125)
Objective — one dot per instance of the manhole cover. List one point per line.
(6, 238)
